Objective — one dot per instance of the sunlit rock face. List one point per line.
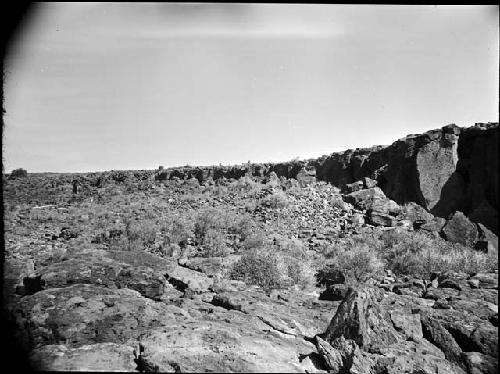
(442, 170)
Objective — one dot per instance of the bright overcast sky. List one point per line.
(132, 86)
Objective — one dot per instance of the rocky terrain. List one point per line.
(380, 260)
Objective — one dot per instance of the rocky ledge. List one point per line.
(444, 170)
(121, 310)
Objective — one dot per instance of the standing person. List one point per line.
(75, 186)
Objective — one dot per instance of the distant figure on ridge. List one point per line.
(75, 186)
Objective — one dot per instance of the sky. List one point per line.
(129, 86)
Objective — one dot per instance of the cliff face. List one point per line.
(442, 170)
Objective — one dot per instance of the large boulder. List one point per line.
(459, 229)
(373, 199)
(381, 219)
(100, 271)
(368, 335)
(442, 170)
(435, 165)
(86, 314)
(435, 225)
(360, 318)
(415, 213)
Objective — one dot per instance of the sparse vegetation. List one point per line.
(276, 200)
(258, 267)
(140, 234)
(404, 253)
(357, 264)
(418, 254)
(18, 173)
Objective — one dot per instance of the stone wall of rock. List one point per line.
(443, 170)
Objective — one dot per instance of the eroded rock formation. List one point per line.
(444, 170)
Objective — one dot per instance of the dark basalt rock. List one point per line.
(442, 170)
(360, 318)
(459, 229)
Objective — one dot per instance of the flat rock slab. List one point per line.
(102, 271)
(294, 317)
(85, 314)
(183, 278)
(218, 346)
(107, 357)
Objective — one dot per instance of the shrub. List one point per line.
(209, 219)
(419, 255)
(292, 247)
(242, 225)
(276, 200)
(176, 230)
(18, 173)
(214, 244)
(175, 233)
(256, 239)
(119, 176)
(258, 267)
(247, 185)
(298, 271)
(357, 264)
(140, 234)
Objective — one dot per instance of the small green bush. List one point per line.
(140, 234)
(241, 225)
(292, 247)
(18, 173)
(419, 255)
(176, 230)
(357, 264)
(297, 271)
(247, 185)
(256, 239)
(277, 200)
(209, 219)
(214, 244)
(258, 267)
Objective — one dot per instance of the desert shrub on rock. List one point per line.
(176, 229)
(280, 265)
(242, 225)
(18, 173)
(256, 239)
(276, 200)
(296, 271)
(140, 234)
(213, 244)
(247, 185)
(357, 263)
(258, 267)
(419, 254)
(175, 233)
(119, 176)
(209, 219)
(292, 247)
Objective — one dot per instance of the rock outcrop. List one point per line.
(374, 331)
(444, 170)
